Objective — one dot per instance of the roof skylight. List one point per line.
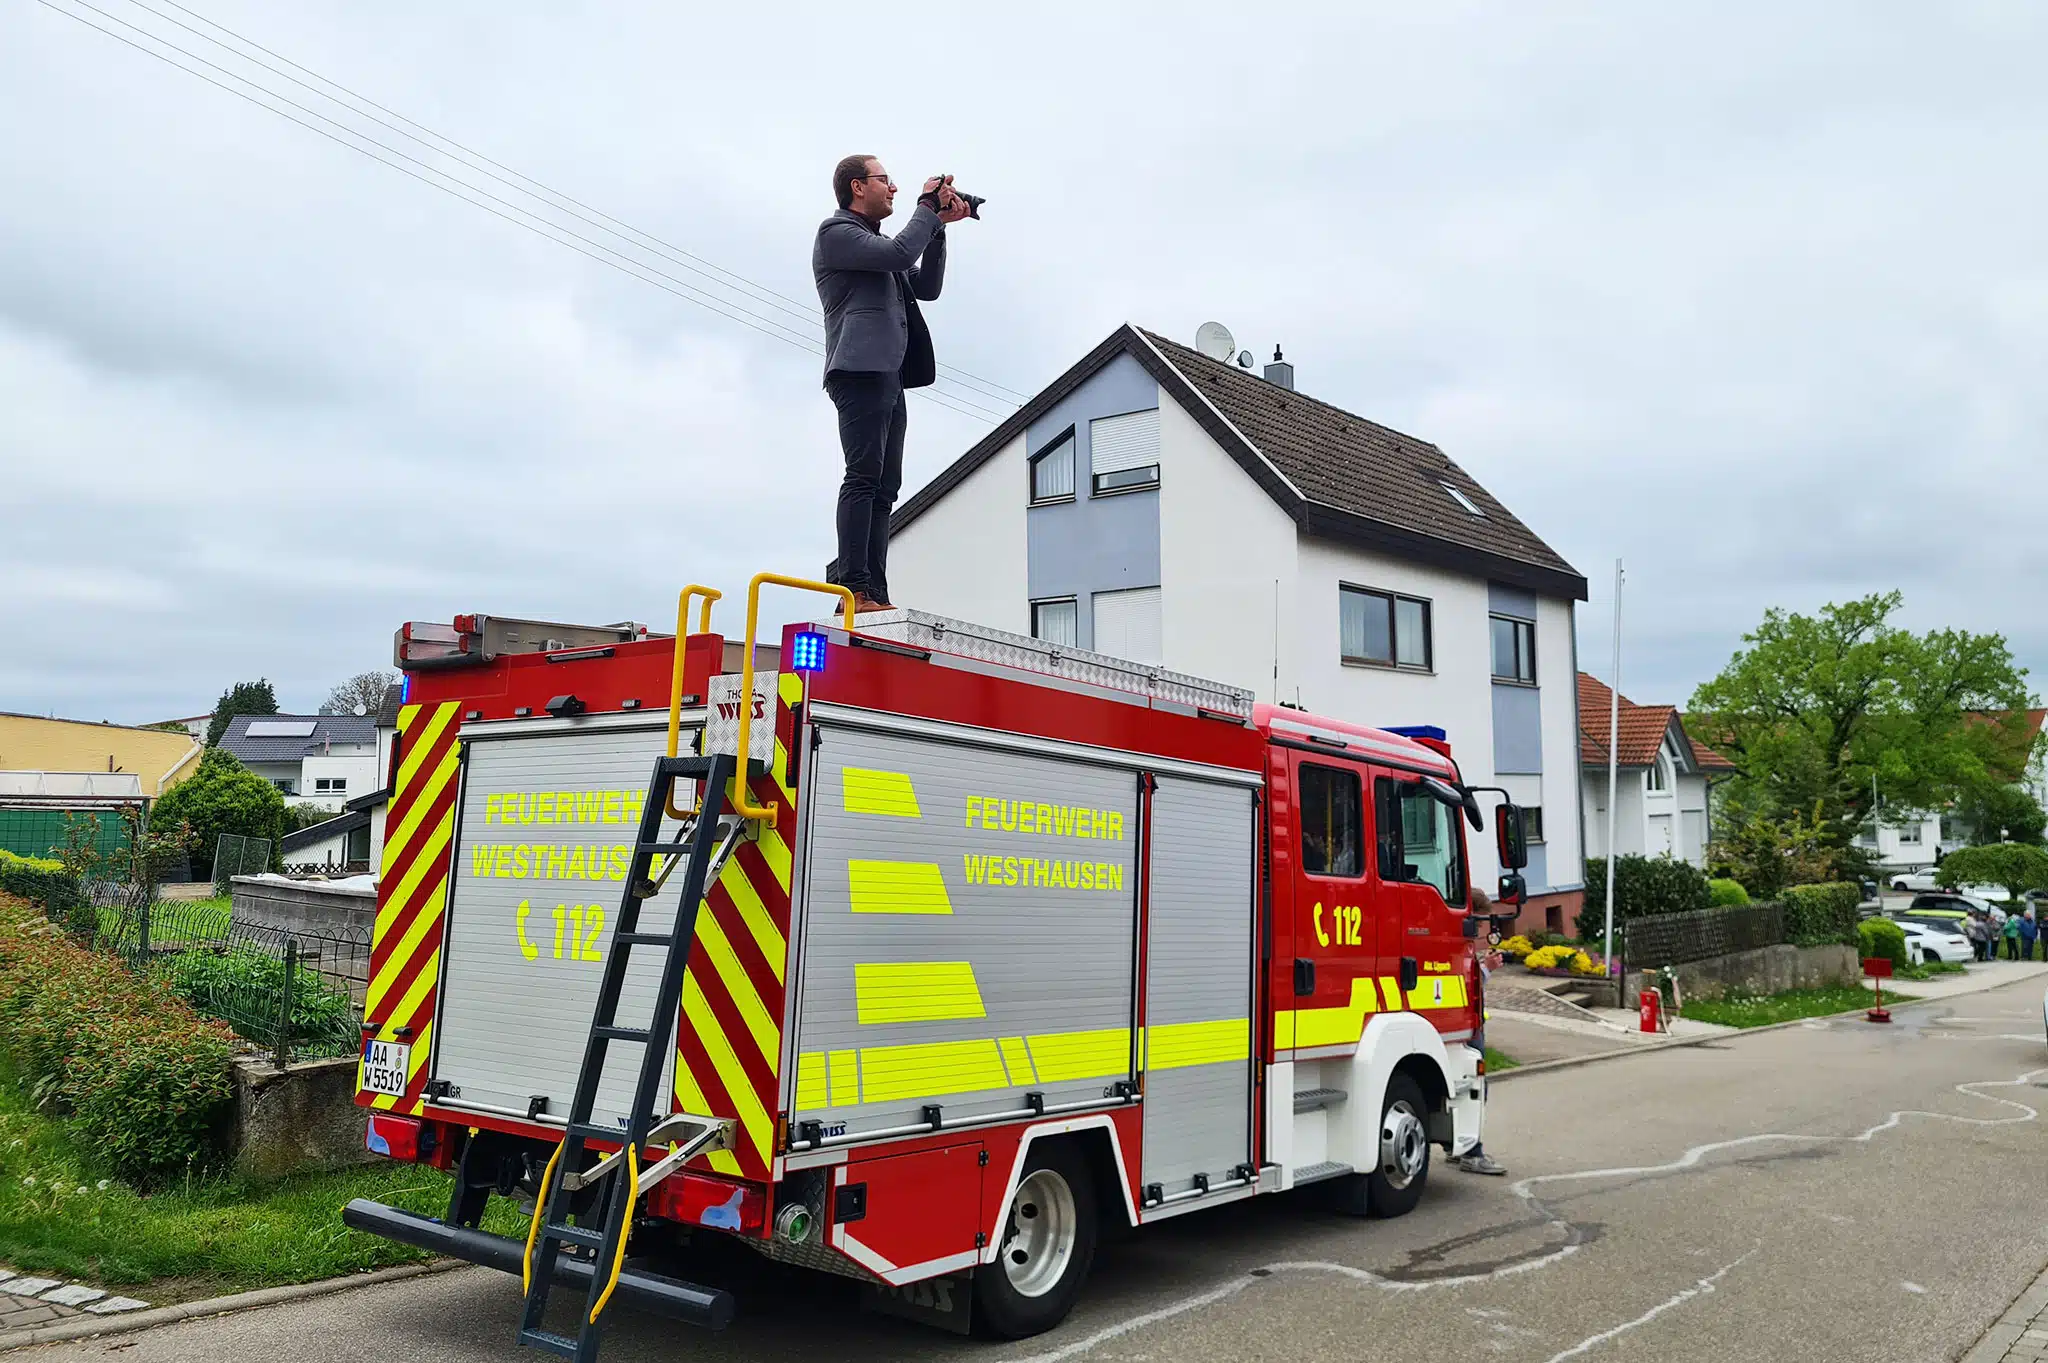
(1462, 500)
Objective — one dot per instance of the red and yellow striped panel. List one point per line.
(412, 891)
(729, 1041)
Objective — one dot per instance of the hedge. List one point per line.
(144, 1077)
(1643, 886)
(1727, 894)
(1821, 915)
(39, 879)
(1881, 937)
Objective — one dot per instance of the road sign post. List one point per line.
(1879, 969)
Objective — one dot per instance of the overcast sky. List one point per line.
(1751, 296)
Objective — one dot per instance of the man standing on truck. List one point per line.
(876, 346)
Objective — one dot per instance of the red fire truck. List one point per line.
(991, 944)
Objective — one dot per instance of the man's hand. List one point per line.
(952, 207)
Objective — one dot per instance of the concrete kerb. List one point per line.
(86, 1328)
(2007, 1330)
(1676, 1043)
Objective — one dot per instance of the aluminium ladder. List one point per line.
(701, 850)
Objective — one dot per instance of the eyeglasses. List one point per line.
(883, 178)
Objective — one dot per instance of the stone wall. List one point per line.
(298, 1119)
(1765, 970)
(311, 907)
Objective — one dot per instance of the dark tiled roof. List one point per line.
(1348, 463)
(326, 729)
(387, 712)
(1336, 474)
(320, 832)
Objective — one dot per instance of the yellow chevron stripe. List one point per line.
(427, 864)
(704, 1025)
(810, 1080)
(430, 790)
(416, 994)
(1177, 1045)
(753, 913)
(916, 991)
(1390, 986)
(417, 748)
(422, 1047)
(929, 1069)
(766, 1032)
(426, 920)
(1305, 1027)
(1060, 1056)
(775, 851)
(897, 887)
(864, 790)
(690, 1098)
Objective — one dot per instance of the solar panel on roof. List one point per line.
(280, 728)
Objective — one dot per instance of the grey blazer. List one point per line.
(869, 285)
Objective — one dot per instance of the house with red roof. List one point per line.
(1663, 788)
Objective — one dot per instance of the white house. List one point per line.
(311, 759)
(1663, 780)
(1161, 505)
(1912, 842)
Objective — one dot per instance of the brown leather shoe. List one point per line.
(863, 604)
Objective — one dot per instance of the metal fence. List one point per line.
(296, 993)
(235, 855)
(1675, 938)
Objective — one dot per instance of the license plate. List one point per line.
(386, 1064)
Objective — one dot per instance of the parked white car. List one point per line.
(1908, 881)
(1927, 943)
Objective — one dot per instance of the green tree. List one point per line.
(1996, 812)
(243, 698)
(2016, 866)
(1814, 709)
(223, 796)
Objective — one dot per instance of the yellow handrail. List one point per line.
(540, 1211)
(625, 1230)
(675, 693)
(741, 805)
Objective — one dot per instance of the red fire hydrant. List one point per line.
(1651, 1005)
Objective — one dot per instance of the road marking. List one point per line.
(1703, 1288)
(1524, 1190)
(1915, 1288)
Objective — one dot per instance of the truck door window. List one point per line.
(1330, 800)
(1419, 839)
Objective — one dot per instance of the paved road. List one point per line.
(1829, 1192)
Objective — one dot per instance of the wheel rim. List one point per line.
(1404, 1145)
(1042, 1230)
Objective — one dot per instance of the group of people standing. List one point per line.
(1992, 928)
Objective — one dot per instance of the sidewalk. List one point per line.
(2021, 1334)
(1981, 975)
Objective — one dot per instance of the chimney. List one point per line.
(1280, 372)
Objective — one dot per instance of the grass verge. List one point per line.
(1760, 1010)
(1499, 1062)
(1928, 971)
(61, 1216)
(173, 922)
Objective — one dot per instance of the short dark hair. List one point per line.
(849, 169)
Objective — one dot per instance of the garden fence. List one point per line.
(292, 991)
(1675, 938)
(235, 855)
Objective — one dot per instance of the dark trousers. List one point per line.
(871, 422)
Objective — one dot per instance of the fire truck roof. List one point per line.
(1284, 721)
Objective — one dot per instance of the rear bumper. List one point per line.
(709, 1307)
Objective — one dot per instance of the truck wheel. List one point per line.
(1395, 1186)
(1048, 1242)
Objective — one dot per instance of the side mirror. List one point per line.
(1513, 890)
(1508, 837)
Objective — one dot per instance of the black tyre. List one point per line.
(1395, 1186)
(1048, 1243)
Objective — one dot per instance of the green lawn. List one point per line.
(61, 1216)
(1759, 1010)
(1499, 1062)
(174, 921)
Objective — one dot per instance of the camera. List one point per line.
(973, 201)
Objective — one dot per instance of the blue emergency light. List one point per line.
(807, 652)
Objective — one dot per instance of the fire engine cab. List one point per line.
(904, 949)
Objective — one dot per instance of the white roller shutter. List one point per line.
(1130, 441)
(1127, 624)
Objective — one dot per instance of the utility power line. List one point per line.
(629, 261)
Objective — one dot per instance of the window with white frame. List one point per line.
(1514, 649)
(1127, 624)
(1052, 471)
(1659, 776)
(1532, 823)
(285, 785)
(1909, 834)
(336, 784)
(1123, 452)
(1056, 621)
(1382, 628)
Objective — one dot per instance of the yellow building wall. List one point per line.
(160, 758)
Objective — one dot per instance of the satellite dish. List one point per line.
(361, 710)
(1244, 359)
(1214, 340)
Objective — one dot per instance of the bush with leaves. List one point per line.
(1727, 894)
(1821, 915)
(42, 880)
(223, 796)
(2014, 866)
(1881, 937)
(145, 1078)
(1643, 886)
(243, 985)
(1766, 854)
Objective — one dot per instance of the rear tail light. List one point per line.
(393, 1137)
